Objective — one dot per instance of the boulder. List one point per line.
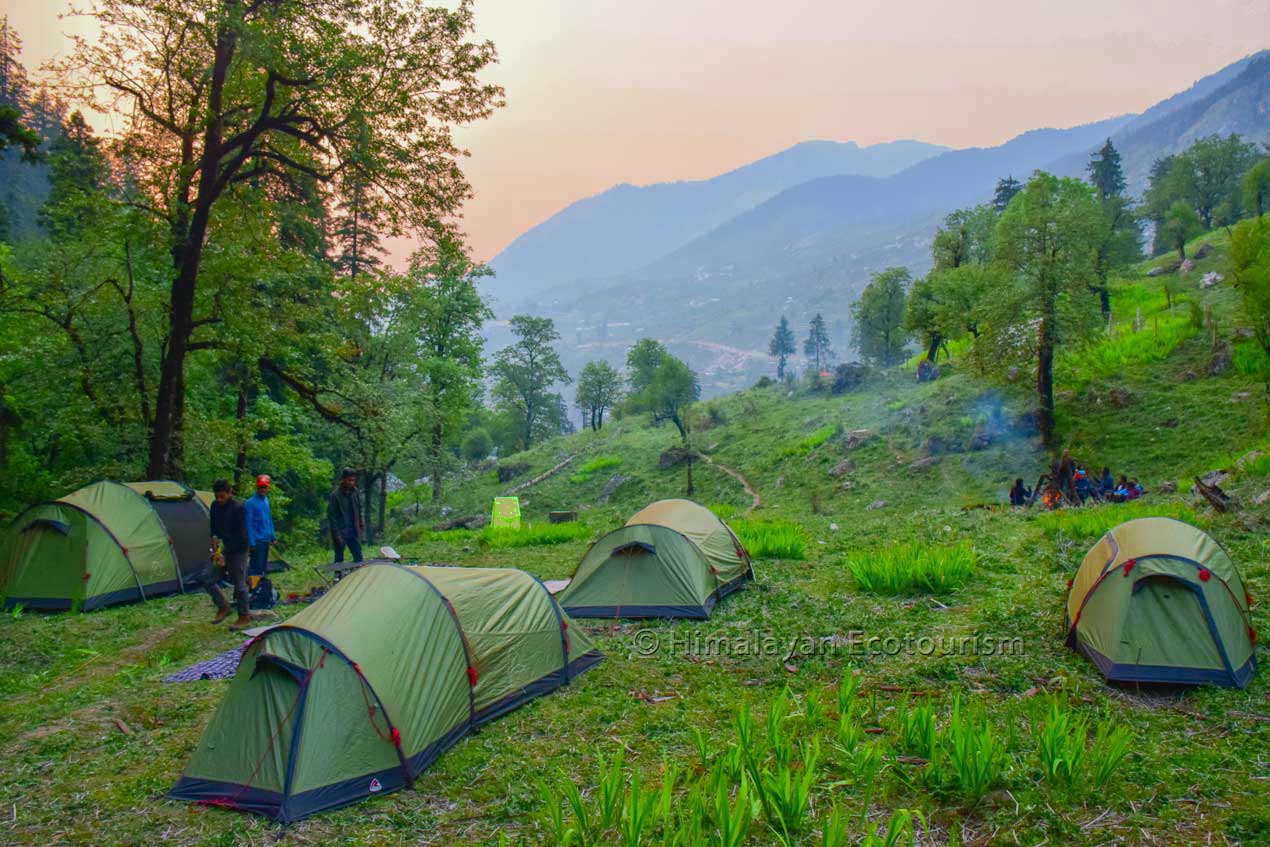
(1263, 498)
(610, 488)
(923, 464)
(1221, 358)
(1186, 266)
(1167, 487)
(927, 371)
(848, 376)
(508, 471)
(875, 505)
(843, 468)
(1210, 279)
(468, 522)
(937, 446)
(980, 441)
(855, 438)
(673, 456)
(1204, 250)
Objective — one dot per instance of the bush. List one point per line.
(532, 535)
(811, 442)
(913, 568)
(848, 377)
(599, 463)
(476, 445)
(772, 539)
(1094, 521)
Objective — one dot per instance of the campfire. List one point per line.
(1051, 498)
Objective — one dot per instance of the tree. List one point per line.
(77, 176)
(964, 238)
(782, 346)
(1250, 271)
(922, 313)
(525, 373)
(228, 96)
(1105, 172)
(14, 133)
(1217, 165)
(816, 346)
(672, 389)
(599, 389)
(476, 444)
(879, 335)
(1048, 241)
(1181, 224)
(1256, 185)
(642, 361)
(1004, 193)
(450, 316)
(1119, 247)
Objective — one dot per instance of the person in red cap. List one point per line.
(259, 526)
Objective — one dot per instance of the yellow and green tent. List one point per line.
(107, 543)
(1157, 600)
(673, 559)
(360, 692)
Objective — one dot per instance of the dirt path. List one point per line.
(745, 483)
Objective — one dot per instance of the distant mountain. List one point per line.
(625, 227)
(1236, 99)
(810, 247)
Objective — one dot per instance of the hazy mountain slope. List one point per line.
(624, 227)
(1234, 100)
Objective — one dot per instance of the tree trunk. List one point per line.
(932, 349)
(1045, 377)
(187, 255)
(240, 460)
(437, 472)
(1104, 300)
(368, 515)
(383, 503)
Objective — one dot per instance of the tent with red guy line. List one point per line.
(359, 693)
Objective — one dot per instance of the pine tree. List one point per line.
(782, 346)
(1005, 191)
(1105, 172)
(816, 347)
(77, 173)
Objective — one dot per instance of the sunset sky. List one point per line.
(607, 91)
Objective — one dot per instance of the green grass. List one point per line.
(1250, 360)
(771, 539)
(591, 468)
(1111, 356)
(532, 535)
(1094, 521)
(811, 442)
(913, 568)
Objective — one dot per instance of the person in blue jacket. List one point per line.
(259, 526)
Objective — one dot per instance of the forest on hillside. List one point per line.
(204, 291)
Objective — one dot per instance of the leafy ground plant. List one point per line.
(805, 445)
(772, 539)
(1094, 521)
(914, 568)
(532, 535)
(591, 468)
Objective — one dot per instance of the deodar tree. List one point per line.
(1048, 241)
(228, 99)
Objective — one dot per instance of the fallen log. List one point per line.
(1220, 500)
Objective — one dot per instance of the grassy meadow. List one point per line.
(898, 671)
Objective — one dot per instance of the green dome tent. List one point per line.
(1157, 600)
(106, 543)
(360, 692)
(674, 559)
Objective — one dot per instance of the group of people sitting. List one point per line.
(1067, 482)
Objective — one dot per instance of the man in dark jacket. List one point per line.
(344, 514)
(229, 550)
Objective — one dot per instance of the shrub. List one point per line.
(811, 442)
(772, 539)
(913, 568)
(531, 535)
(1094, 521)
(1250, 360)
(591, 468)
(476, 445)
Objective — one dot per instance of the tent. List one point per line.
(360, 692)
(106, 543)
(674, 559)
(1157, 600)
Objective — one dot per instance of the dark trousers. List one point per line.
(236, 572)
(259, 563)
(350, 540)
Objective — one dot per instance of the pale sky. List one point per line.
(607, 91)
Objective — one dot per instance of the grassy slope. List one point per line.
(70, 776)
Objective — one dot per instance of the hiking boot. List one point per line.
(221, 614)
(243, 622)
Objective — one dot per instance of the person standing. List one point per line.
(229, 550)
(259, 527)
(344, 514)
